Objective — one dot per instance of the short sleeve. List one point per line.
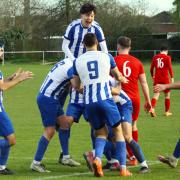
(70, 73)
(69, 34)
(112, 61)
(141, 69)
(99, 34)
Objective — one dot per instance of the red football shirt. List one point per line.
(131, 68)
(163, 67)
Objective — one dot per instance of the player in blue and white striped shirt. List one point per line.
(92, 70)
(50, 101)
(73, 47)
(6, 127)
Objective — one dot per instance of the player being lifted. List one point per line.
(133, 70)
(73, 47)
(6, 127)
(92, 70)
(163, 67)
(50, 101)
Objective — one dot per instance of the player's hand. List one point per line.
(25, 75)
(124, 79)
(159, 87)
(172, 80)
(147, 107)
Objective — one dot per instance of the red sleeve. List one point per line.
(141, 69)
(152, 68)
(170, 67)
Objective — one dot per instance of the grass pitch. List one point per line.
(156, 135)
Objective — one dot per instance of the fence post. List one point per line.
(43, 58)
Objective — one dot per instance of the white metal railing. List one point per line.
(44, 52)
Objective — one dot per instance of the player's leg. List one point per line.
(113, 119)
(73, 114)
(167, 103)
(153, 103)
(172, 161)
(7, 131)
(49, 109)
(135, 115)
(121, 150)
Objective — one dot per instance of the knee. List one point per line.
(49, 133)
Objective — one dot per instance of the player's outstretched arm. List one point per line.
(145, 89)
(162, 87)
(118, 75)
(22, 76)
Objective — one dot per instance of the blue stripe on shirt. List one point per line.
(58, 88)
(80, 34)
(90, 93)
(99, 92)
(106, 90)
(46, 86)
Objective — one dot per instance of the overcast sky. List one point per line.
(153, 6)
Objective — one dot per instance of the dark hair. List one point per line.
(87, 7)
(164, 47)
(124, 42)
(90, 39)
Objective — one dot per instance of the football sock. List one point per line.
(167, 105)
(153, 102)
(93, 138)
(99, 147)
(137, 151)
(42, 146)
(4, 154)
(121, 153)
(107, 150)
(64, 140)
(135, 135)
(176, 152)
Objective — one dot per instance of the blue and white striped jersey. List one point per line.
(75, 33)
(1, 92)
(123, 98)
(93, 68)
(57, 79)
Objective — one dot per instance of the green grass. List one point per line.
(156, 135)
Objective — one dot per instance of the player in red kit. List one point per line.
(163, 68)
(133, 70)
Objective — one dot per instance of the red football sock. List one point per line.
(135, 135)
(153, 102)
(167, 105)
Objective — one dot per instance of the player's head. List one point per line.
(90, 41)
(123, 43)
(164, 48)
(87, 12)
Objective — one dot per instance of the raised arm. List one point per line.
(4, 85)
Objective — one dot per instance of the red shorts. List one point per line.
(136, 108)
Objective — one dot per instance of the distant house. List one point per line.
(162, 26)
